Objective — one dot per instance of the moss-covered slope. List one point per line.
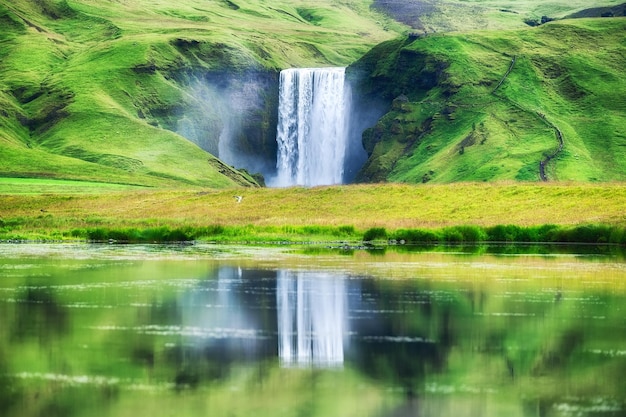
(430, 16)
(141, 92)
(106, 90)
(486, 106)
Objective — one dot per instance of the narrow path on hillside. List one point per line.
(559, 135)
(506, 74)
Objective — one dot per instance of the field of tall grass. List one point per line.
(461, 212)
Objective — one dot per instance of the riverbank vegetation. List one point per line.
(460, 212)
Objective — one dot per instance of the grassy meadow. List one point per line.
(455, 213)
(494, 15)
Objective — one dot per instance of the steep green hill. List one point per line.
(493, 105)
(432, 16)
(104, 90)
(143, 92)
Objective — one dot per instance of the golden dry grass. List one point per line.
(362, 206)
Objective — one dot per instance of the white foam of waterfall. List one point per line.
(312, 132)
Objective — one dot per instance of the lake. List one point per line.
(157, 330)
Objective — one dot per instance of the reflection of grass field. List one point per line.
(325, 212)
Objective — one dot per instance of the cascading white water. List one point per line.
(312, 131)
(312, 316)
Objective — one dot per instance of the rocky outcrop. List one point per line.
(233, 116)
(392, 77)
(228, 103)
(408, 12)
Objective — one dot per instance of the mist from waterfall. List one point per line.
(312, 319)
(313, 127)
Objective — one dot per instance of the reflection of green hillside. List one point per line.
(526, 330)
(112, 336)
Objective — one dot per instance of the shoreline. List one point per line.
(544, 235)
(448, 213)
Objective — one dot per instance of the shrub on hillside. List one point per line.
(345, 231)
(513, 233)
(417, 236)
(618, 235)
(375, 233)
(582, 234)
(452, 235)
(457, 234)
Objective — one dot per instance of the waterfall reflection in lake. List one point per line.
(230, 316)
(311, 318)
(137, 332)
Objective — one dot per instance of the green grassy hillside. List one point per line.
(463, 15)
(95, 90)
(492, 105)
(139, 92)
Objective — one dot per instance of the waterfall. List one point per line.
(312, 132)
(312, 315)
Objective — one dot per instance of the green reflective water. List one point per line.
(98, 330)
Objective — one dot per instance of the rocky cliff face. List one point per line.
(389, 78)
(233, 116)
(225, 104)
(232, 113)
(496, 106)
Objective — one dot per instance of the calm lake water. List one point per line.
(99, 330)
